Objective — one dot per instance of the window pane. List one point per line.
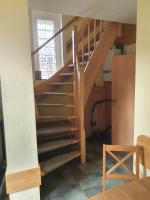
(47, 55)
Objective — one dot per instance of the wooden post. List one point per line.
(81, 116)
(104, 167)
(137, 161)
(88, 40)
(75, 85)
(79, 96)
(83, 50)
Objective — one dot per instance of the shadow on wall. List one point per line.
(2, 151)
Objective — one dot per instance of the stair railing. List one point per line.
(90, 32)
(88, 40)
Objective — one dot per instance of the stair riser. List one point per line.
(57, 162)
(49, 124)
(58, 99)
(56, 111)
(64, 88)
(44, 139)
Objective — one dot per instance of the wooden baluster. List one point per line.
(74, 45)
(100, 29)
(88, 40)
(94, 33)
(83, 50)
(75, 52)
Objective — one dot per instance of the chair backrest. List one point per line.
(143, 142)
(129, 152)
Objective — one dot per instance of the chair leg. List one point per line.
(104, 167)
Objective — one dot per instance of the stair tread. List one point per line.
(62, 83)
(54, 163)
(55, 104)
(49, 146)
(57, 93)
(57, 117)
(54, 130)
(66, 74)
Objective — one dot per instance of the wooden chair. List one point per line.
(143, 142)
(130, 151)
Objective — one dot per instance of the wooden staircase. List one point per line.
(57, 124)
(60, 100)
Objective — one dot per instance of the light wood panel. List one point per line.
(102, 112)
(23, 180)
(128, 35)
(144, 142)
(123, 91)
(135, 190)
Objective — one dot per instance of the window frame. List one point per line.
(57, 18)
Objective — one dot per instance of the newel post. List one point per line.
(81, 115)
(79, 95)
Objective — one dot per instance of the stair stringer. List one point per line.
(97, 59)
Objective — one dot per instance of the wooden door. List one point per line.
(123, 92)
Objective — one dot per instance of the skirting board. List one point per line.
(23, 180)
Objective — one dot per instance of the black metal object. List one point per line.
(93, 122)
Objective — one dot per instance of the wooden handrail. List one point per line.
(61, 30)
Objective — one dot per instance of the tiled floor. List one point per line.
(76, 181)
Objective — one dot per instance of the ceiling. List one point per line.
(111, 10)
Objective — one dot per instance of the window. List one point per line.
(47, 55)
(50, 58)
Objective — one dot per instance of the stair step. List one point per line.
(62, 83)
(58, 93)
(54, 163)
(54, 130)
(50, 146)
(56, 105)
(66, 74)
(57, 117)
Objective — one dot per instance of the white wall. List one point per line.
(109, 10)
(17, 91)
(1, 118)
(142, 93)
